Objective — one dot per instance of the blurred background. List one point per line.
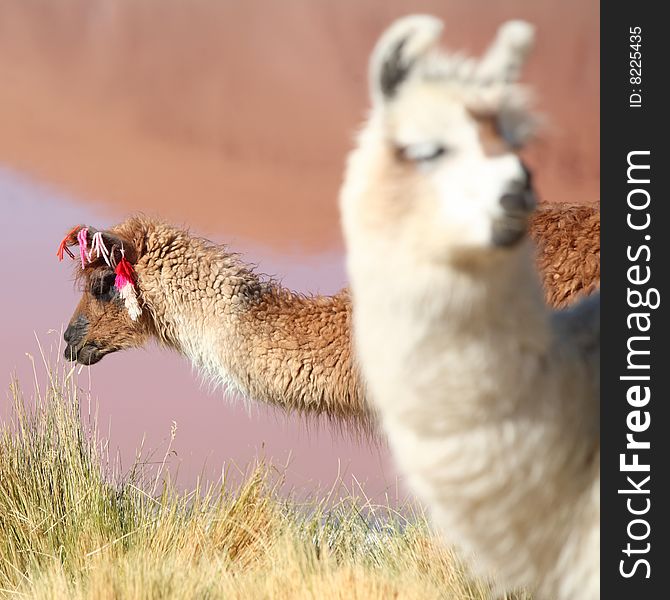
(233, 118)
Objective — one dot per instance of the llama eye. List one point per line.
(421, 153)
(102, 288)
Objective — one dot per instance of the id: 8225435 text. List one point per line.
(635, 67)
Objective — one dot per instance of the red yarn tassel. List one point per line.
(124, 273)
(125, 283)
(63, 246)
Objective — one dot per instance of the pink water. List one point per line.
(213, 430)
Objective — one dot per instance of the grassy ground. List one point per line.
(72, 527)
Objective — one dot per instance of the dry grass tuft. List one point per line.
(71, 526)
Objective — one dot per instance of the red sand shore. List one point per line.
(237, 117)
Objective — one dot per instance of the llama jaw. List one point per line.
(88, 354)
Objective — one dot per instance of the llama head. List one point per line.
(108, 317)
(436, 169)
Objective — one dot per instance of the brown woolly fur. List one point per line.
(568, 251)
(253, 336)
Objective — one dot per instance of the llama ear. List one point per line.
(96, 247)
(503, 60)
(117, 246)
(397, 51)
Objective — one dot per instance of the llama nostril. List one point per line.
(76, 330)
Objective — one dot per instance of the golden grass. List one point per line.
(71, 526)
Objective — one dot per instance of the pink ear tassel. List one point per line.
(98, 246)
(125, 283)
(82, 239)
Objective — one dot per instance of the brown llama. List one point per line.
(252, 335)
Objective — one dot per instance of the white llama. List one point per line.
(490, 399)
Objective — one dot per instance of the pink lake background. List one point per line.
(233, 118)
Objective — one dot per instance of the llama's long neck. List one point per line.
(253, 336)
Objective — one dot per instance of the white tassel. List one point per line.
(127, 292)
(98, 245)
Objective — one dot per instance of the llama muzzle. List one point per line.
(77, 349)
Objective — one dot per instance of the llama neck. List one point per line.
(445, 327)
(251, 335)
(297, 353)
(504, 300)
(468, 304)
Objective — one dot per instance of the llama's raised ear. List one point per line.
(505, 57)
(397, 51)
